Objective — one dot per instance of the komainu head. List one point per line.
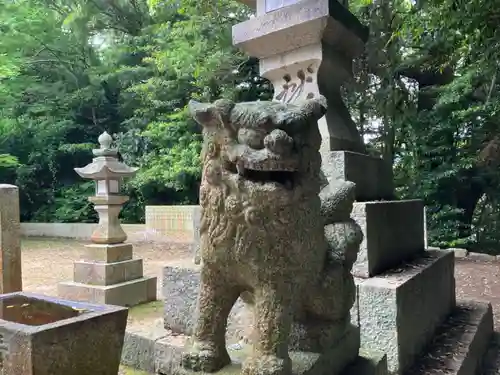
(262, 150)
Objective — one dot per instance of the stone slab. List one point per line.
(460, 344)
(398, 311)
(107, 253)
(180, 292)
(140, 344)
(10, 240)
(97, 273)
(333, 362)
(393, 233)
(372, 175)
(129, 293)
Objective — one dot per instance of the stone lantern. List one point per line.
(107, 272)
(108, 173)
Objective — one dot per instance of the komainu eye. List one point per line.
(252, 138)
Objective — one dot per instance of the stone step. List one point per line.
(398, 311)
(128, 293)
(460, 344)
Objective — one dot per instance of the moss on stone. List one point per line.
(145, 310)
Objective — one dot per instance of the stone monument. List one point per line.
(10, 240)
(405, 293)
(107, 273)
(270, 235)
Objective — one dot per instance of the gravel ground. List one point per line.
(48, 261)
(479, 280)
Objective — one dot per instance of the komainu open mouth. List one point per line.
(284, 178)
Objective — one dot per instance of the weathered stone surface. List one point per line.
(168, 352)
(394, 232)
(372, 176)
(107, 253)
(129, 293)
(139, 347)
(460, 344)
(196, 234)
(107, 273)
(87, 342)
(10, 240)
(398, 311)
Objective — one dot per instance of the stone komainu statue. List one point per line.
(267, 232)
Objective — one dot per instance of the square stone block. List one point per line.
(107, 273)
(399, 311)
(107, 253)
(43, 335)
(129, 293)
(372, 175)
(393, 233)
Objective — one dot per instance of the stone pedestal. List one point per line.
(107, 274)
(10, 240)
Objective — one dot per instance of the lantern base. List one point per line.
(129, 293)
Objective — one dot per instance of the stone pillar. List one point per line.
(10, 240)
(107, 272)
(305, 49)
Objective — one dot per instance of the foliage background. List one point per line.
(425, 96)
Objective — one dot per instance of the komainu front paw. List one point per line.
(205, 357)
(267, 365)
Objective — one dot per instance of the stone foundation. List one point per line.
(398, 311)
(108, 274)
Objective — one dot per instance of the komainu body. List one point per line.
(262, 233)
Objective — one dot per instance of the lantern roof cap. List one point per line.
(106, 166)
